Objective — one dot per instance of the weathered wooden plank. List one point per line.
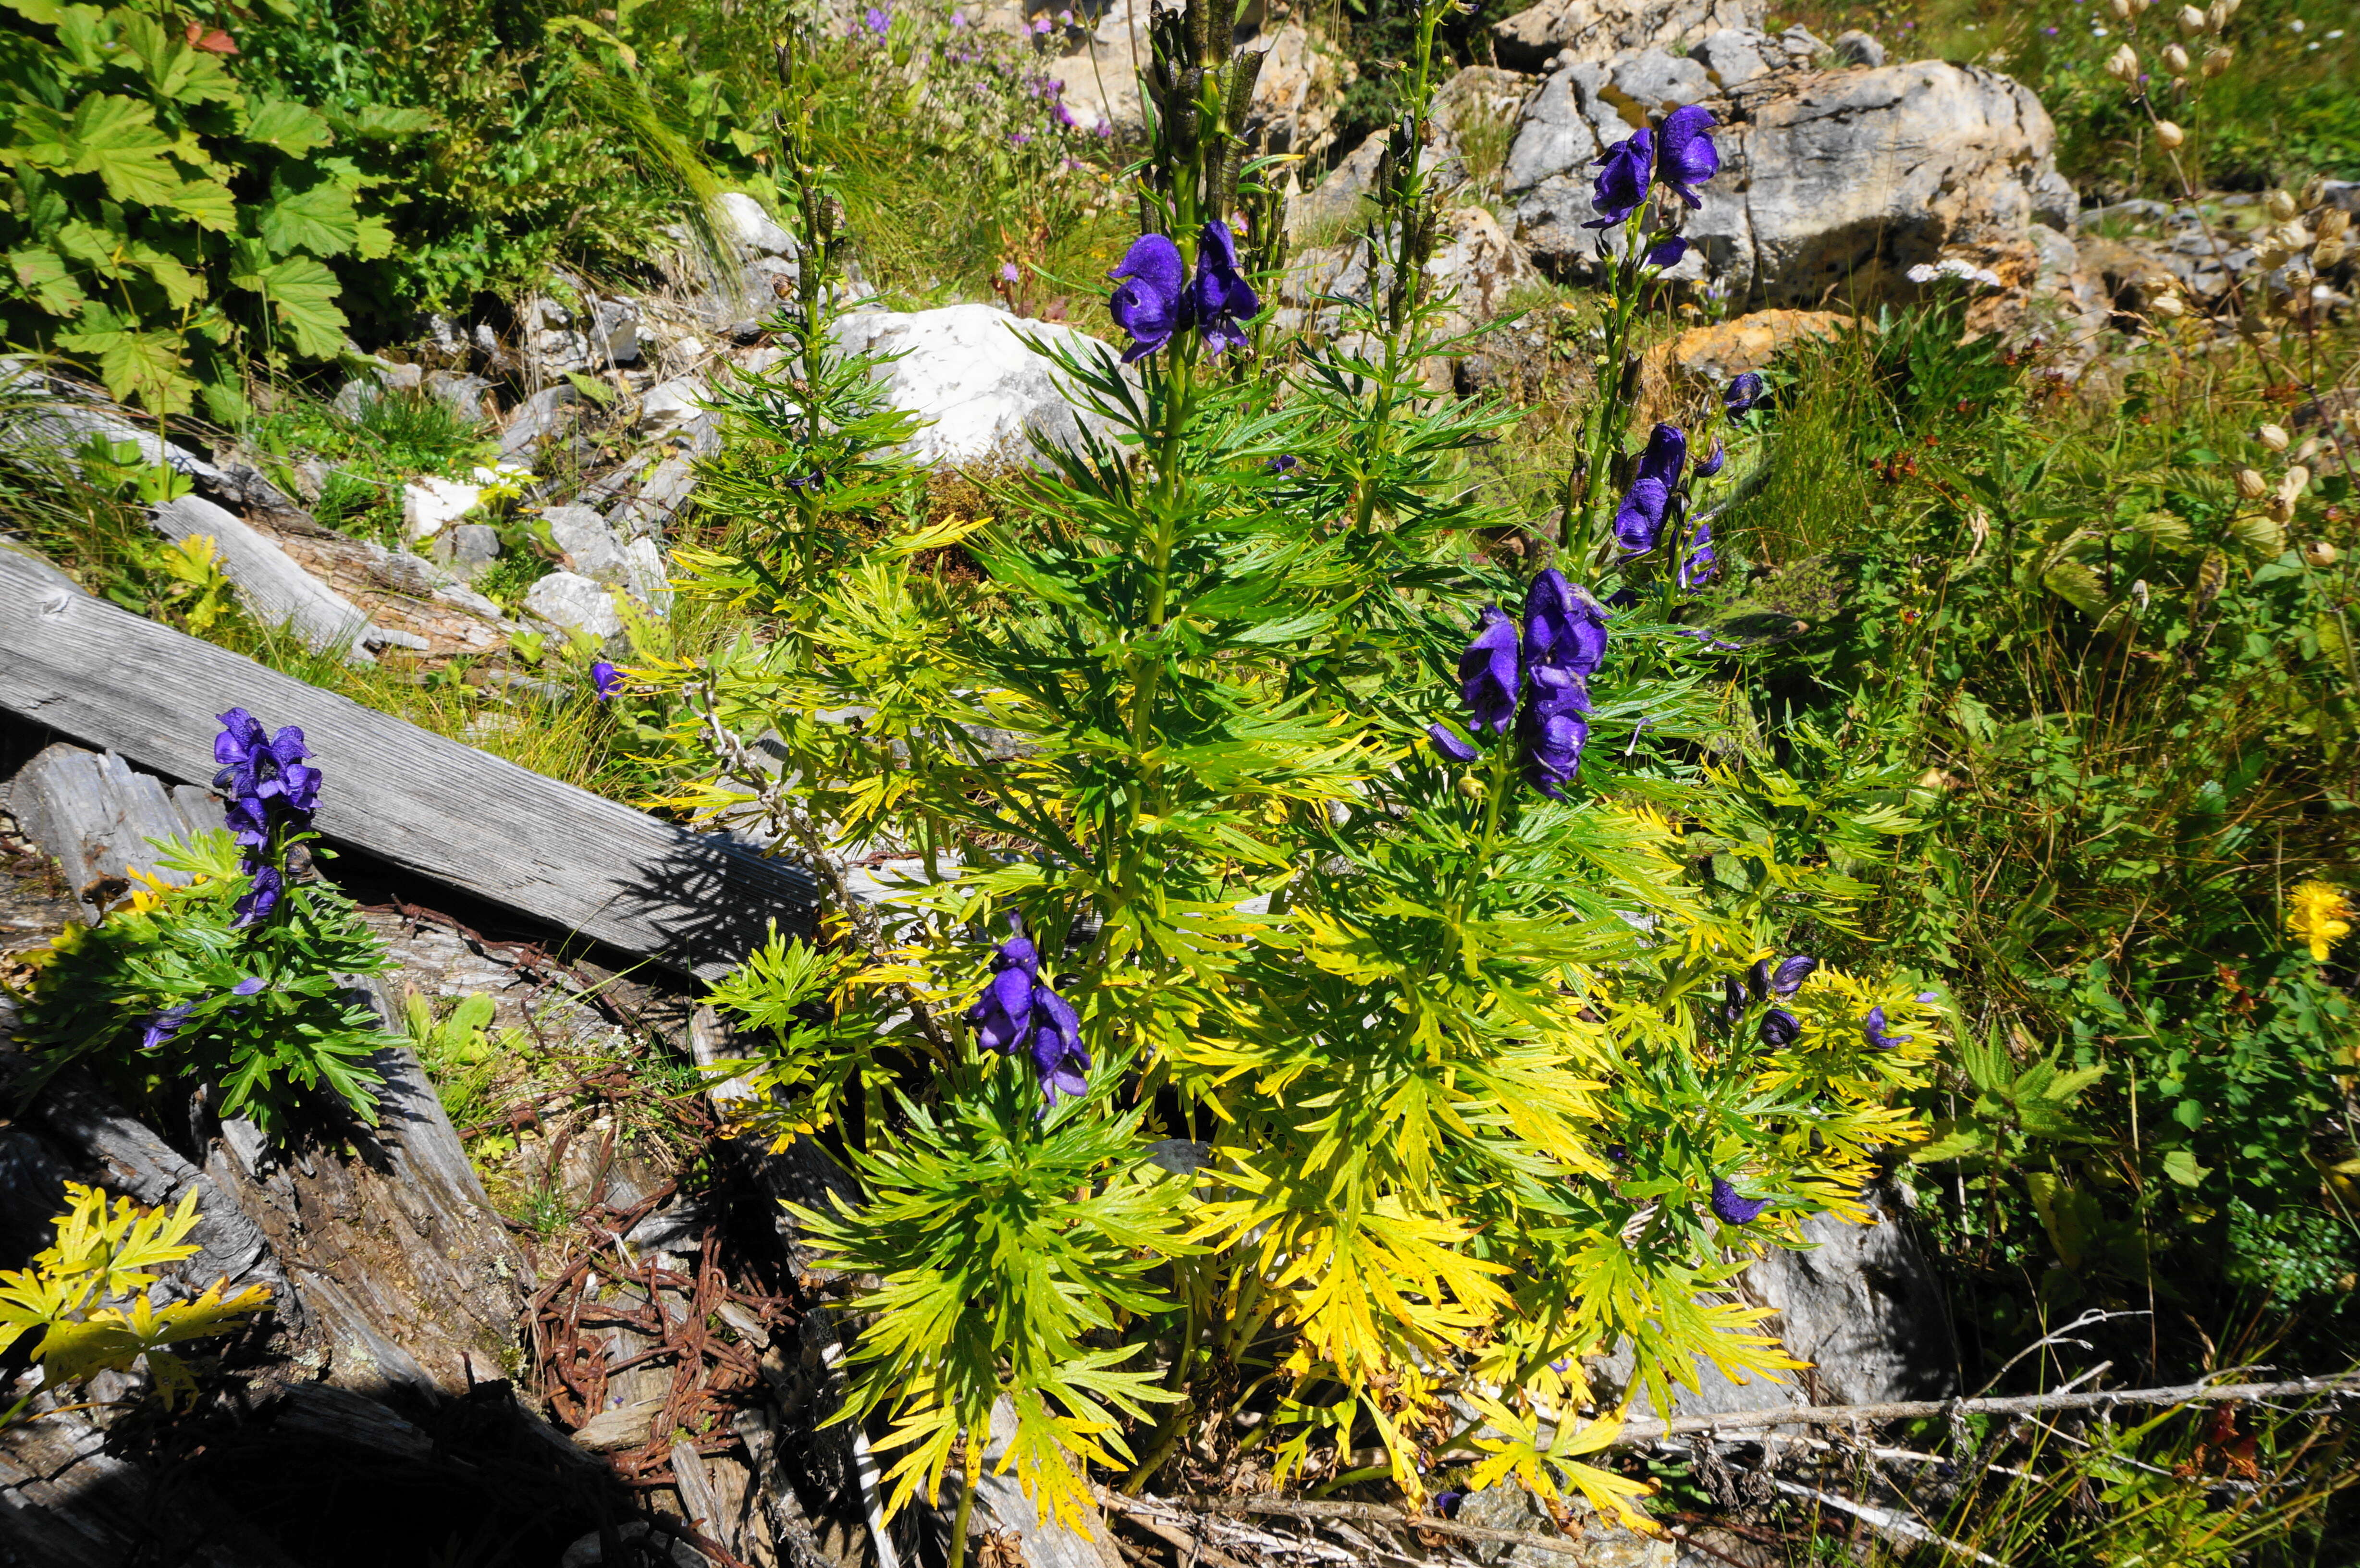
(697, 902)
(268, 582)
(97, 817)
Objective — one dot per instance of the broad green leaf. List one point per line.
(2077, 585)
(149, 366)
(385, 121)
(375, 238)
(208, 204)
(181, 286)
(2181, 1166)
(94, 247)
(303, 292)
(319, 219)
(46, 11)
(43, 274)
(115, 139)
(43, 137)
(291, 128)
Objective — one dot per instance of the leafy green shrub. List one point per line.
(2125, 701)
(242, 979)
(86, 1297)
(159, 219)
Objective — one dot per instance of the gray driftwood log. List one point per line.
(104, 676)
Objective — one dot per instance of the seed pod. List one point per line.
(2123, 64)
(2229, 8)
(2216, 15)
(1472, 786)
(2251, 485)
(1243, 74)
(2273, 436)
(2216, 61)
(2175, 59)
(2296, 480)
(2191, 20)
(2279, 510)
(2314, 191)
(2319, 553)
(2280, 206)
(1220, 28)
(2168, 136)
(2327, 252)
(2166, 306)
(2122, 9)
(2332, 223)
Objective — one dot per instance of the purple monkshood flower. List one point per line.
(1151, 299)
(1733, 1209)
(1757, 980)
(1491, 673)
(1779, 1028)
(1564, 626)
(252, 985)
(1565, 642)
(1788, 977)
(262, 896)
(1744, 391)
(264, 767)
(604, 680)
(1446, 1503)
(1451, 743)
(1639, 521)
(1699, 564)
(1874, 1028)
(880, 22)
(1667, 251)
(161, 1027)
(1223, 299)
(1624, 171)
(1710, 464)
(1685, 156)
(1282, 463)
(1020, 1011)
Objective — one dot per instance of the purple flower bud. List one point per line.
(604, 680)
(1713, 460)
(1788, 977)
(1625, 170)
(1282, 463)
(1224, 300)
(251, 986)
(1150, 301)
(1687, 157)
(1732, 998)
(1744, 391)
(1874, 1030)
(1757, 980)
(161, 1027)
(1699, 564)
(1666, 251)
(1779, 1028)
(1733, 1209)
(1491, 674)
(1447, 742)
(262, 895)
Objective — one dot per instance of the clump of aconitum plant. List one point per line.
(234, 974)
(1366, 1043)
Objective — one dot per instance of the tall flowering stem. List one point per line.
(271, 792)
(1674, 159)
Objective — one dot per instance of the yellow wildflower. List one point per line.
(2317, 913)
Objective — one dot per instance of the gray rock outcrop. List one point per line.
(1595, 30)
(1832, 182)
(964, 369)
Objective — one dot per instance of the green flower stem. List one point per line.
(972, 1468)
(1587, 482)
